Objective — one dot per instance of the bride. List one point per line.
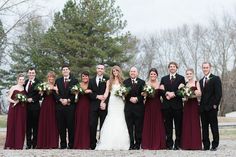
(114, 133)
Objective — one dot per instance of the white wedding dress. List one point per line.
(114, 133)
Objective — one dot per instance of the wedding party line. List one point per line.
(131, 114)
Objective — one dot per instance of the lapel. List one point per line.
(32, 85)
(209, 80)
(174, 81)
(206, 86)
(67, 83)
(26, 81)
(102, 83)
(135, 86)
(62, 83)
(94, 82)
(130, 82)
(201, 84)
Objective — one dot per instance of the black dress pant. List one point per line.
(65, 121)
(210, 118)
(171, 115)
(94, 115)
(32, 127)
(134, 114)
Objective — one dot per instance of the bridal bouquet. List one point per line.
(20, 98)
(43, 88)
(122, 92)
(186, 92)
(76, 89)
(149, 91)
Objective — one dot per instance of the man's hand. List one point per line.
(63, 101)
(170, 95)
(30, 100)
(102, 106)
(101, 97)
(134, 100)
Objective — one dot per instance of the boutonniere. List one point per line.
(67, 80)
(33, 82)
(210, 78)
(135, 82)
(103, 80)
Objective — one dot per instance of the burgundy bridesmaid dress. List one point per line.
(16, 124)
(191, 130)
(82, 132)
(153, 136)
(48, 136)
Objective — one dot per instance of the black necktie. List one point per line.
(205, 82)
(133, 83)
(65, 83)
(172, 79)
(99, 82)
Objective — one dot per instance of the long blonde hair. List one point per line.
(51, 74)
(112, 77)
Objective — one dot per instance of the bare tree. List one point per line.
(190, 46)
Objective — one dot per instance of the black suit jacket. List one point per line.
(65, 93)
(135, 91)
(34, 94)
(176, 102)
(97, 90)
(211, 93)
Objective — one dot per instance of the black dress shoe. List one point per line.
(69, 147)
(169, 148)
(136, 147)
(176, 148)
(63, 147)
(131, 147)
(213, 149)
(28, 147)
(205, 148)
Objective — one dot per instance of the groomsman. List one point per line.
(65, 108)
(33, 109)
(134, 108)
(97, 110)
(211, 95)
(172, 105)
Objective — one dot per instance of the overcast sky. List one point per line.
(148, 16)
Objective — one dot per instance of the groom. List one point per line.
(97, 110)
(134, 108)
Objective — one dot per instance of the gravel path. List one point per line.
(227, 148)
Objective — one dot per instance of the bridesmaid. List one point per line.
(82, 133)
(16, 120)
(191, 131)
(47, 130)
(153, 136)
